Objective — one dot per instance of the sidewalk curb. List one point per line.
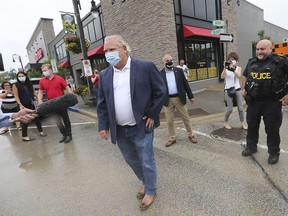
(77, 110)
(195, 120)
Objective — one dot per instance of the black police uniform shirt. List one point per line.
(263, 72)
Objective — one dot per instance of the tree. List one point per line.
(262, 36)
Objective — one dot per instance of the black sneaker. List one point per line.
(248, 152)
(273, 159)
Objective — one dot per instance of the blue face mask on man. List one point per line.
(112, 58)
(46, 73)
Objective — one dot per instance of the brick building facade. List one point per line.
(147, 25)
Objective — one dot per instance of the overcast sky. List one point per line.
(18, 19)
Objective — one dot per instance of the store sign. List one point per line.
(39, 54)
(54, 65)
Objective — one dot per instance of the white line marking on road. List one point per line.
(49, 126)
(229, 140)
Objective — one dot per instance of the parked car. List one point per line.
(35, 82)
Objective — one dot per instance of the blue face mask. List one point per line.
(46, 73)
(22, 79)
(112, 58)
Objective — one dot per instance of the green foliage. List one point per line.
(63, 72)
(73, 44)
(7, 76)
(33, 73)
(261, 35)
(82, 90)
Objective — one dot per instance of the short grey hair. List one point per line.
(120, 41)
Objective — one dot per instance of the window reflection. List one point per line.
(60, 50)
(201, 9)
(200, 59)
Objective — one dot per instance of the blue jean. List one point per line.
(95, 92)
(139, 155)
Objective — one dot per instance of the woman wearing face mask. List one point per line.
(232, 74)
(25, 96)
(9, 104)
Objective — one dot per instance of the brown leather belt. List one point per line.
(173, 95)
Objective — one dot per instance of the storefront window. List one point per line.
(60, 50)
(200, 59)
(200, 9)
(187, 7)
(200, 13)
(91, 32)
(211, 10)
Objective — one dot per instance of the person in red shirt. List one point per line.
(95, 80)
(54, 87)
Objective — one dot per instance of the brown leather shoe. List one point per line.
(147, 201)
(193, 139)
(141, 192)
(170, 143)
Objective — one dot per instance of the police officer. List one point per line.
(265, 92)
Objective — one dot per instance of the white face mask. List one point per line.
(22, 79)
(46, 73)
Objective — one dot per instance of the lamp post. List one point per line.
(96, 13)
(76, 3)
(14, 56)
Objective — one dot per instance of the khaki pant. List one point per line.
(183, 112)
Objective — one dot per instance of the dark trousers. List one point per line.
(272, 117)
(63, 122)
(36, 120)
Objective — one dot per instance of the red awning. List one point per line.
(189, 31)
(64, 64)
(97, 50)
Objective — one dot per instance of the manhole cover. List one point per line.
(237, 134)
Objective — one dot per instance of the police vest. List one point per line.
(266, 80)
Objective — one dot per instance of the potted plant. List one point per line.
(82, 90)
(73, 44)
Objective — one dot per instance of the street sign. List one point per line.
(218, 31)
(219, 23)
(226, 37)
(87, 67)
(54, 65)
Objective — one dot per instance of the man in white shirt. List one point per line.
(183, 67)
(177, 88)
(131, 95)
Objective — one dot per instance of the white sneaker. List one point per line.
(227, 126)
(244, 126)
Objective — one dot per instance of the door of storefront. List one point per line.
(201, 59)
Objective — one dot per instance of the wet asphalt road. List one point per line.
(89, 177)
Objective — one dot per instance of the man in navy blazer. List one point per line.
(131, 95)
(177, 87)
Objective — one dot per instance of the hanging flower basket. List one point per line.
(73, 44)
